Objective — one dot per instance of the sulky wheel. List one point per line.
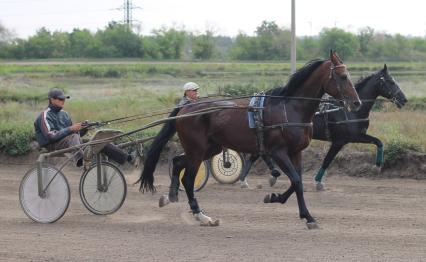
(200, 180)
(51, 204)
(107, 196)
(227, 166)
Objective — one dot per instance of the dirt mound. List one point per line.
(409, 164)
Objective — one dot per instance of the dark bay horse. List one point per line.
(339, 127)
(342, 127)
(287, 131)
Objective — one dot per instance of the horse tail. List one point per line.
(153, 155)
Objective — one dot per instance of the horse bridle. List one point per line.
(392, 95)
(337, 79)
(333, 68)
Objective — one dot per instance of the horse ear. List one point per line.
(333, 56)
(338, 57)
(385, 68)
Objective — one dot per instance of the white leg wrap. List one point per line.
(244, 184)
(205, 220)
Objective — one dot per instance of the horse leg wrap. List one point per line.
(379, 156)
(194, 206)
(320, 174)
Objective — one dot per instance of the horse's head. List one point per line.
(340, 85)
(390, 89)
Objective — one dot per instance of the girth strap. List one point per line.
(283, 125)
(348, 121)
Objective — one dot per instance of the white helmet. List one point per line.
(190, 86)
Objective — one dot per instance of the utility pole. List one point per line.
(127, 8)
(293, 36)
(128, 13)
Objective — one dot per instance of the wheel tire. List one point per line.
(227, 175)
(103, 203)
(53, 206)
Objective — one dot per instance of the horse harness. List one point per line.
(390, 95)
(256, 107)
(255, 119)
(326, 108)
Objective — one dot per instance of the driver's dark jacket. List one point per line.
(52, 125)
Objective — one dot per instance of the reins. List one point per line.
(135, 117)
(152, 124)
(130, 118)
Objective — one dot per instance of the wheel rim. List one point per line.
(103, 202)
(227, 175)
(200, 178)
(53, 205)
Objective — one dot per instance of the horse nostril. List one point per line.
(357, 103)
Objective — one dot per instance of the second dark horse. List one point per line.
(287, 131)
(342, 127)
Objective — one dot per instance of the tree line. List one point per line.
(269, 42)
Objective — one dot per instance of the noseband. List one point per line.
(392, 96)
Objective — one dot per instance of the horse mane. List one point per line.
(297, 79)
(362, 82)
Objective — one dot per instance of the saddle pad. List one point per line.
(256, 101)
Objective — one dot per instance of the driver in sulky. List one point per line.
(55, 130)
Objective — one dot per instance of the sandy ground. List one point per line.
(360, 219)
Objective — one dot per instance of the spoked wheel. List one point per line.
(106, 197)
(200, 180)
(52, 204)
(227, 166)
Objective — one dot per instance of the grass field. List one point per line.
(103, 90)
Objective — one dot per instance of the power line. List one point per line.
(56, 13)
(128, 8)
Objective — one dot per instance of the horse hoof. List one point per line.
(210, 223)
(215, 223)
(267, 199)
(312, 225)
(164, 200)
(272, 181)
(376, 169)
(319, 186)
(244, 185)
(173, 199)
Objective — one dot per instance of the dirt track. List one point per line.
(360, 219)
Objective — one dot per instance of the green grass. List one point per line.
(15, 138)
(103, 90)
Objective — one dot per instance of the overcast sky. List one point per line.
(224, 17)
